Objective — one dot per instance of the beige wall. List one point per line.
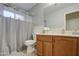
(55, 18)
(37, 13)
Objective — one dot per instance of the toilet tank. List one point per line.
(34, 36)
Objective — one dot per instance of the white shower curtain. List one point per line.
(13, 33)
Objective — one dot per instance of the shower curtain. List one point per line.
(13, 33)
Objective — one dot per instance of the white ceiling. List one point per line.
(25, 6)
(56, 6)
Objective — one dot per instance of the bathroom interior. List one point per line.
(39, 29)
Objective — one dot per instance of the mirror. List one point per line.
(72, 21)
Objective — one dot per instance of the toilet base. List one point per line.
(30, 50)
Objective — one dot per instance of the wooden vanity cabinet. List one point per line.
(49, 45)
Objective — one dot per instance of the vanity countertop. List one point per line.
(68, 35)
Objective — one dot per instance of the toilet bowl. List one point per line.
(29, 42)
(30, 46)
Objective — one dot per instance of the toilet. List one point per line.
(30, 46)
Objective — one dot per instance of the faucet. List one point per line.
(75, 31)
(45, 30)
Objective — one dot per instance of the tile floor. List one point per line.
(23, 53)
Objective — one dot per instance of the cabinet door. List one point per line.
(44, 38)
(65, 46)
(39, 47)
(47, 48)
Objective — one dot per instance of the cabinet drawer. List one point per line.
(64, 37)
(44, 38)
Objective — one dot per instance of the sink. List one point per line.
(72, 32)
(75, 33)
(68, 32)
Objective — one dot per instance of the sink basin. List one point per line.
(75, 33)
(72, 32)
(68, 32)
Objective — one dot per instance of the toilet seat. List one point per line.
(29, 42)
